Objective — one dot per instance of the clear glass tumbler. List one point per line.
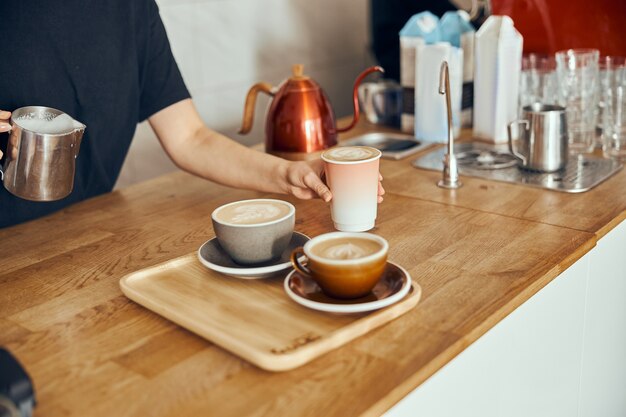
(577, 71)
(538, 80)
(607, 71)
(614, 115)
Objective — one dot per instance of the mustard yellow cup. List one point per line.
(347, 277)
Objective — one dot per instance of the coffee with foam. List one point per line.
(350, 154)
(344, 265)
(346, 248)
(252, 212)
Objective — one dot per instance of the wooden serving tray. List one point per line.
(253, 319)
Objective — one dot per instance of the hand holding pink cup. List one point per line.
(352, 176)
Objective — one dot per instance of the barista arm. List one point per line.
(206, 153)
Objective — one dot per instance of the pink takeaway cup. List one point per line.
(352, 176)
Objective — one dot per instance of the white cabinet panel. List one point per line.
(603, 378)
(527, 365)
(562, 353)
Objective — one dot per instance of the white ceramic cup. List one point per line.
(354, 184)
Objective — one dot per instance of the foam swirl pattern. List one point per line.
(344, 251)
(255, 213)
(350, 154)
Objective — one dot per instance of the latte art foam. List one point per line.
(252, 212)
(345, 251)
(350, 153)
(255, 213)
(345, 248)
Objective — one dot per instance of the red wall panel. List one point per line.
(552, 25)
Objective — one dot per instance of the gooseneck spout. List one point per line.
(355, 98)
(450, 168)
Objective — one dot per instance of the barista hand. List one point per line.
(208, 154)
(4, 123)
(305, 181)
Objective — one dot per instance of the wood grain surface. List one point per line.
(254, 319)
(591, 211)
(478, 255)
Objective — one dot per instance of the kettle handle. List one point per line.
(248, 111)
(355, 96)
(516, 154)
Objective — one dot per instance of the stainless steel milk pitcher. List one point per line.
(542, 143)
(41, 154)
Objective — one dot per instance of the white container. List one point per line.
(498, 64)
(431, 120)
(420, 29)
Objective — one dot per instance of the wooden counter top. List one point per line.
(597, 211)
(90, 351)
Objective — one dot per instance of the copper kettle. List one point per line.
(300, 120)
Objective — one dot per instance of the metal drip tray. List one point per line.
(482, 159)
(582, 172)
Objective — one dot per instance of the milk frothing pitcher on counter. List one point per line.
(41, 154)
(381, 101)
(300, 121)
(542, 143)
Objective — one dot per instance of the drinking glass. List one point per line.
(577, 72)
(607, 71)
(614, 115)
(538, 80)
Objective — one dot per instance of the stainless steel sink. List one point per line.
(582, 172)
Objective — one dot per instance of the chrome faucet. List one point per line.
(450, 169)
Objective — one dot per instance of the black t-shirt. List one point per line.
(107, 63)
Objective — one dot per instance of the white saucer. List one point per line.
(215, 258)
(392, 287)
